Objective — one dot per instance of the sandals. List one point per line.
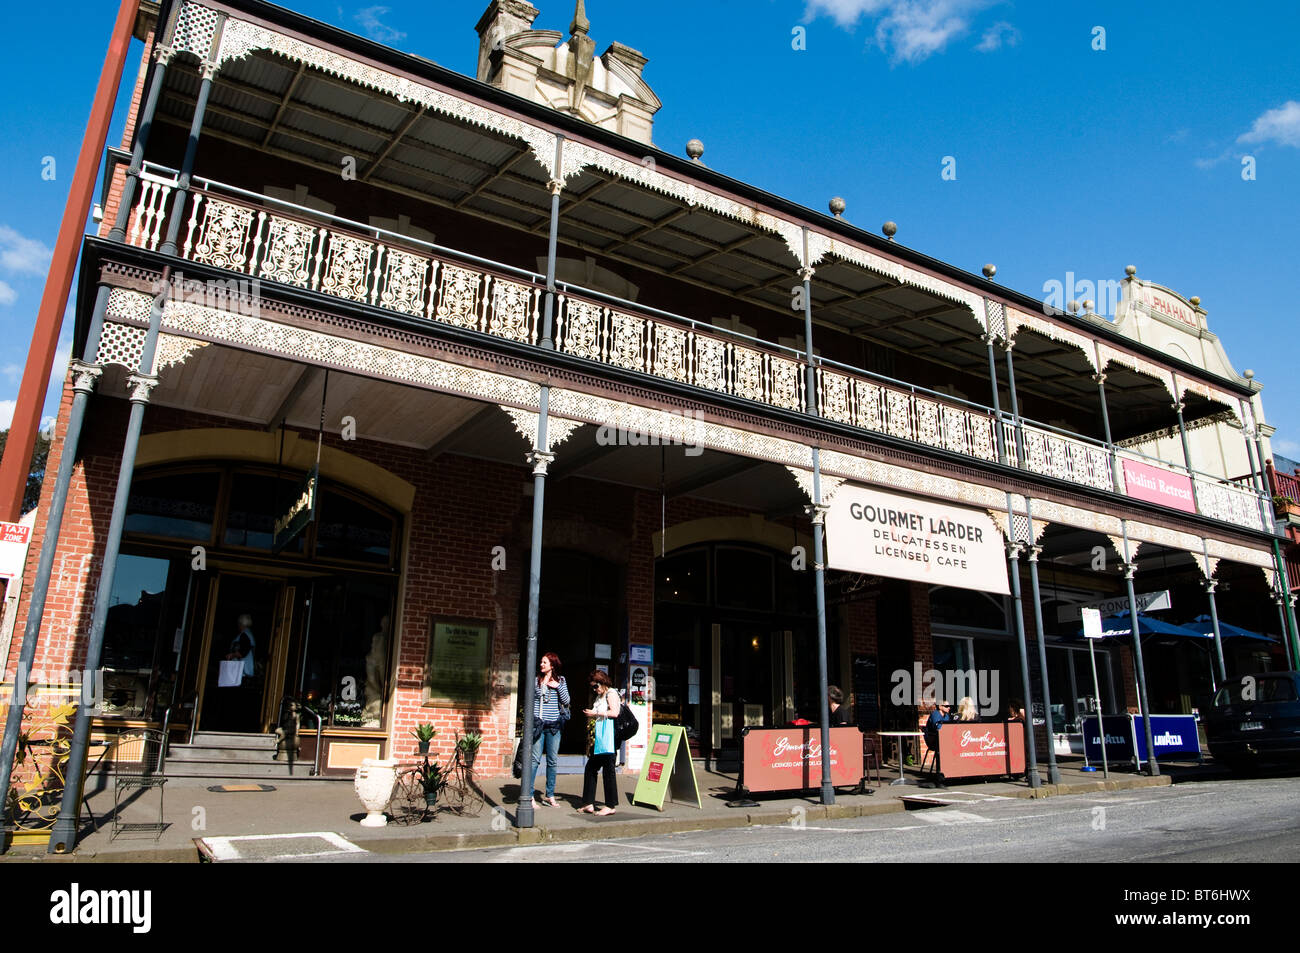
(588, 809)
(550, 802)
(605, 812)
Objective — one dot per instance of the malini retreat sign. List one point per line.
(884, 534)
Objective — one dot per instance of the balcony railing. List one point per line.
(265, 238)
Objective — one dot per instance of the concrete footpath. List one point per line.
(195, 809)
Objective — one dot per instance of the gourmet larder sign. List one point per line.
(884, 534)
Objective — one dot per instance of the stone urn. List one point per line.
(374, 786)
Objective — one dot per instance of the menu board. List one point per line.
(667, 768)
(866, 693)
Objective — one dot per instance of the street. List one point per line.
(1186, 823)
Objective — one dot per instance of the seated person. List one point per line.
(1015, 711)
(966, 710)
(839, 714)
(937, 717)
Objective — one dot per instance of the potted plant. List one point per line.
(468, 744)
(1285, 506)
(432, 780)
(424, 733)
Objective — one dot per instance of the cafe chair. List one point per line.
(870, 760)
(134, 763)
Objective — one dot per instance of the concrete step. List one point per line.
(233, 739)
(226, 769)
(184, 752)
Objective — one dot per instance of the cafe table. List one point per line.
(900, 735)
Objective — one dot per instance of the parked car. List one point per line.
(1255, 718)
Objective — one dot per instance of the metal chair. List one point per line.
(134, 765)
(871, 758)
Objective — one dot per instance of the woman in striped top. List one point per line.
(550, 711)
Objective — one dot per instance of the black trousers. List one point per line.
(597, 763)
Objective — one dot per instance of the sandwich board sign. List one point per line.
(667, 769)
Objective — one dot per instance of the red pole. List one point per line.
(49, 319)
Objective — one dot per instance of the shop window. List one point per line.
(348, 651)
(744, 579)
(256, 501)
(137, 656)
(794, 589)
(968, 609)
(683, 578)
(349, 529)
(179, 506)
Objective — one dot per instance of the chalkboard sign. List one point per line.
(866, 693)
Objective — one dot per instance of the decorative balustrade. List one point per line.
(1053, 454)
(364, 266)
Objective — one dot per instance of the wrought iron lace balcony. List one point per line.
(265, 238)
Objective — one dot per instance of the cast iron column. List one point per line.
(1053, 772)
(1015, 407)
(1130, 568)
(1013, 566)
(1286, 606)
(209, 70)
(1187, 452)
(163, 54)
(1210, 585)
(817, 512)
(1100, 378)
(539, 458)
(63, 837)
(997, 401)
(85, 373)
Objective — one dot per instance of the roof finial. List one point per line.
(580, 22)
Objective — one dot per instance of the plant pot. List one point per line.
(422, 747)
(430, 799)
(467, 756)
(374, 786)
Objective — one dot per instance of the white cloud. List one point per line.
(908, 30)
(7, 408)
(7, 294)
(376, 30)
(1288, 447)
(12, 373)
(23, 255)
(998, 35)
(1280, 125)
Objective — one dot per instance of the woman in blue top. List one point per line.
(550, 711)
(603, 712)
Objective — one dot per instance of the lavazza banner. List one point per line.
(883, 534)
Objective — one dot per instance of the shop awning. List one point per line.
(1228, 631)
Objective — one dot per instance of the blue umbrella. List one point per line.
(1121, 625)
(1228, 631)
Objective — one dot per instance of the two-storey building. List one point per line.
(358, 336)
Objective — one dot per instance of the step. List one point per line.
(184, 752)
(222, 739)
(223, 769)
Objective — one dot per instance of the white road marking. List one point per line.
(953, 817)
(227, 848)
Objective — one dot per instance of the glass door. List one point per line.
(245, 614)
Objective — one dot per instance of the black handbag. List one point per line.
(517, 766)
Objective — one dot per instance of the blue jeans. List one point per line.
(551, 741)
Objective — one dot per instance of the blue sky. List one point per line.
(1069, 158)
